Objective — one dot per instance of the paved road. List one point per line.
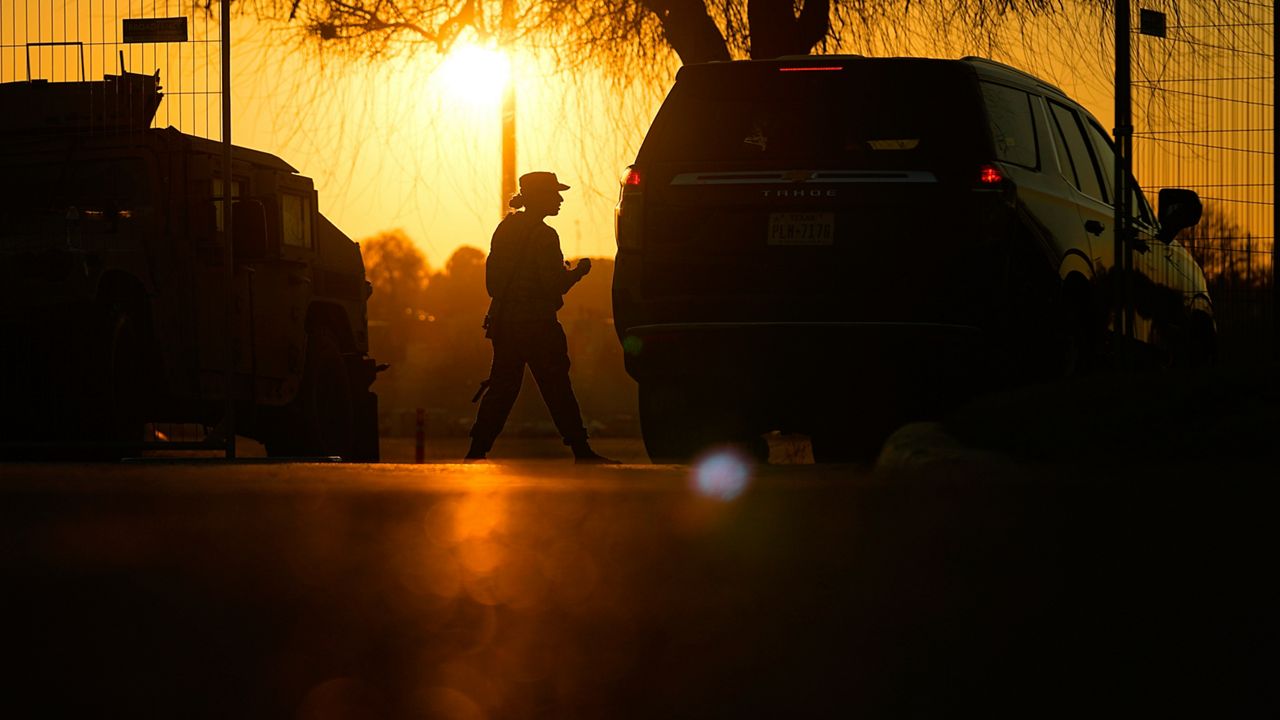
(529, 589)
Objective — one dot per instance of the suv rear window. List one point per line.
(869, 114)
(1012, 128)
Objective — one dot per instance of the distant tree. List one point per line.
(1230, 255)
(458, 292)
(398, 271)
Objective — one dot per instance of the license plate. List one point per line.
(802, 228)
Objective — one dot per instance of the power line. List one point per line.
(1196, 132)
(1268, 6)
(1205, 96)
(1211, 46)
(1230, 185)
(1267, 203)
(1224, 25)
(1206, 79)
(1213, 147)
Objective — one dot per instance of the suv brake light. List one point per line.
(991, 176)
(992, 179)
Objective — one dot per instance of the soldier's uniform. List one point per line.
(526, 276)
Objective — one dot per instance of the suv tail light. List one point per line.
(991, 176)
(994, 182)
(628, 216)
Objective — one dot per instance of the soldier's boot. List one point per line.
(478, 450)
(584, 455)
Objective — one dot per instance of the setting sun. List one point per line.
(475, 73)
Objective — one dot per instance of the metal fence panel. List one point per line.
(1204, 114)
(120, 50)
(60, 41)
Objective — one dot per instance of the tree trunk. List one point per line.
(690, 30)
(776, 30)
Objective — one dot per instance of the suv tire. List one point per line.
(678, 421)
(1077, 349)
(847, 443)
(666, 423)
(1201, 346)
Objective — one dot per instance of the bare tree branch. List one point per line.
(777, 31)
(689, 30)
(637, 40)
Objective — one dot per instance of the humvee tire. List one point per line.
(122, 384)
(321, 420)
(366, 428)
(110, 407)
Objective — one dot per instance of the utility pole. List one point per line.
(228, 252)
(508, 110)
(1123, 263)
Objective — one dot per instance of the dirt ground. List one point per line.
(1147, 418)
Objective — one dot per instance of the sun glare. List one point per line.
(475, 73)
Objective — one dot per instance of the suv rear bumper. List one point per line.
(793, 374)
(803, 352)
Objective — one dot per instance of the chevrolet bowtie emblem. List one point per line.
(798, 175)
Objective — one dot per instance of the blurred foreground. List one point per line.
(534, 588)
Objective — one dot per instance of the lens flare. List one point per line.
(722, 474)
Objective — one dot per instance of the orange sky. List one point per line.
(392, 145)
(396, 146)
(389, 145)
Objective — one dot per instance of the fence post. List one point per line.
(228, 235)
(420, 437)
(1123, 261)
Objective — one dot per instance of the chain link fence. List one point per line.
(57, 41)
(1204, 118)
(72, 73)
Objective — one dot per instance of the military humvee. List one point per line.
(113, 283)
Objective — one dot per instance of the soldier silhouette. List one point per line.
(526, 276)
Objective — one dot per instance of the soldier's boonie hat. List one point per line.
(541, 182)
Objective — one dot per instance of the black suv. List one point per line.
(830, 245)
